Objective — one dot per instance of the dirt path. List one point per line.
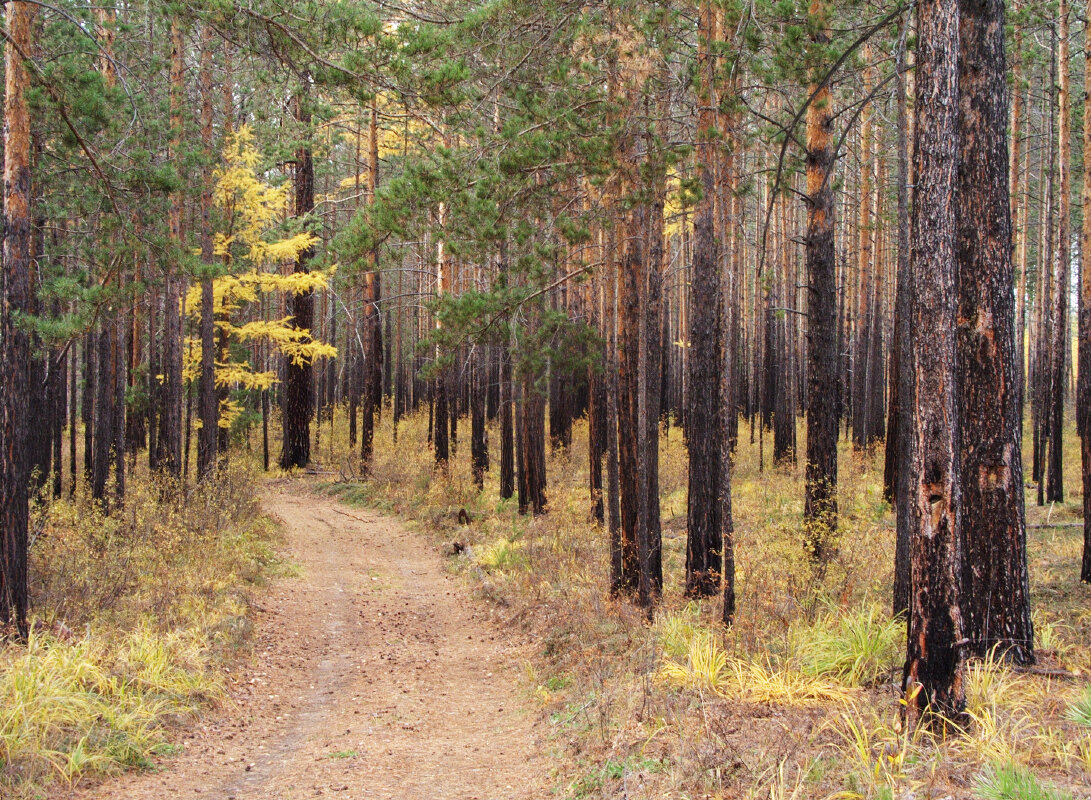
(374, 675)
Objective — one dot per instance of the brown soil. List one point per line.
(373, 675)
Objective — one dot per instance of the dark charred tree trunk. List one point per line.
(208, 397)
(934, 658)
(87, 405)
(153, 387)
(824, 387)
(441, 418)
(265, 429)
(534, 450)
(58, 397)
(73, 391)
(560, 417)
(507, 434)
(704, 527)
(120, 383)
(373, 331)
(902, 399)
(1083, 391)
(297, 405)
(613, 477)
(15, 299)
(784, 421)
(479, 444)
(631, 489)
(651, 533)
(1040, 360)
(104, 415)
(371, 396)
(454, 399)
(1062, 285)
(995, 591)
(596, 441)
(171, 391)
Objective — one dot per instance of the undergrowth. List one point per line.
(800, 698)
(137, 612)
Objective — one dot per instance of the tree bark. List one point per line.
(902, 390)
(704, 542)
(208, 400)
(823, 390)
(1062, 287)
(995, 591)
(170, 427)
(934, 658)
(373, 342)
(15, 299)
(298, 393)
(1083, 403)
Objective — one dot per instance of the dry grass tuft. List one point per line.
(149, 601)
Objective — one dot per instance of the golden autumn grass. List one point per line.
(799, 699)
(136, 612)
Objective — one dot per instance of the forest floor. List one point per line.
(372, 674)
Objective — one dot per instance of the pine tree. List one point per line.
(934, 660)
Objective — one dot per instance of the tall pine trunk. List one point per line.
(934, 658)
(823, 390)
(995, 591)
(15, 299)
(208, 399)
(1062, 288)
(704, 542)
(1083, 401)
(297, 405)
(902, 397)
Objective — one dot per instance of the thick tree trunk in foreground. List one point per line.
(15, 298)
(934, 658)
(995, 591)
(823, 389)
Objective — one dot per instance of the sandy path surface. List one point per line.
(374, 675)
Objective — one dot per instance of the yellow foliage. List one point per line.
(672, 210)
(253, 209)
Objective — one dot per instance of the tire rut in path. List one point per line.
(373, 675)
